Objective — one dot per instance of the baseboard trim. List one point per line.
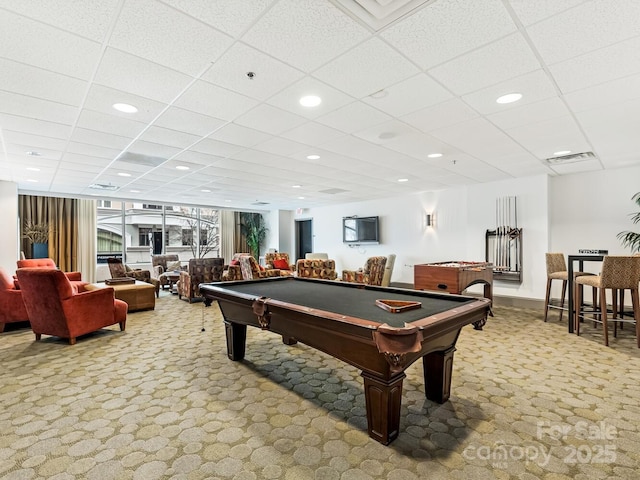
(498, 300)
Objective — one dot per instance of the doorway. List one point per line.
(304, 238)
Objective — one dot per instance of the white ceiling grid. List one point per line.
(399, 80)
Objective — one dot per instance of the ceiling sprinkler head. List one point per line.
(251, 75)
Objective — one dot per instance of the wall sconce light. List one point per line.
(429, 220)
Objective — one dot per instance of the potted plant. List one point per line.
(252, 227)
(38, 235)
(628, 238)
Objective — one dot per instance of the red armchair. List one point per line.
(12, 307)
(75, 277)
(55, 308)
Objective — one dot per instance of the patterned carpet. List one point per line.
(162, 400)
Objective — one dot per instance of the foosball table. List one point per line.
(453, 276)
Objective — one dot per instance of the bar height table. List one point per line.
(580, 258)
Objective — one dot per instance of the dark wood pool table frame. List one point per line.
(380, 351)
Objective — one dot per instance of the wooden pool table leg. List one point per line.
(236, 339)
(383, 400)
(438, 367)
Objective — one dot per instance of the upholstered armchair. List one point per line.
(74, 277)
(280, 261)
(232, 271)
(164, 263)
(200, 270)
(120, 270)
(55, 308)
(251, 270)
(371, 274)
(12, 307)
(316, 268)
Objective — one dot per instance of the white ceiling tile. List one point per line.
(520, 116)
(239, 135)
(230, 16)
(159, 33)
(153, 149)
(597, 67)
(270, 75)
(553, 135)
(26, 106)
(479, 138)
(27, 41)
(27, 80)
(374, 55)
(619, 90)
(101, 99)
(88, 18)
(174, 138)
(217, 148)
(533, 12)
(585, 28)
(441, 115)
(501, 60)
(101, 122)
(312, 133)
(409, 95)
(101, 139)
(122, 71)
(270, 119)
(533, 86)
(297, 34)
(444, 30)
(289, 98)
(88, 150)
(385, 132)
(190, 122)
(34, 142)
(281, 146)
(33, 125)
(353, 117)
(208, 99)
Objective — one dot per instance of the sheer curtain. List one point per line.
(86, 220)
(227, 235)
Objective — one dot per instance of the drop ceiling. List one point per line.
(399, 80)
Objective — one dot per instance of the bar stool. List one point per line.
(557, 270)
(619, 272)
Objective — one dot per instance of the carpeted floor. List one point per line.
(162, 400)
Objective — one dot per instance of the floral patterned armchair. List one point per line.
(324, 269)
(280, 261)
(200, 270)
(251, 270)
(371, 274)
(232, 271)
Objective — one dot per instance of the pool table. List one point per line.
(344, 320)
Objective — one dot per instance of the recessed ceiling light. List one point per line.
(124, 174)
(205, 190)
(33, 153)
(300, 198)
(32, 180)
(434, 155)
(509, 98)
(403, 179)
(125, 108)
(228, 201)
(386, 135)
(33, 169)
(134, 191)
(562, 152)
(310, 101)
(313, 157)
(182, 167)
(296, 186)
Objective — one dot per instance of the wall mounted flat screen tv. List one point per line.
(360, 230)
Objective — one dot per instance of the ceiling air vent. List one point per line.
(333, 191)
(102, 186)
(378, 14)
(573, 158)
(260, 203)
(140, 159)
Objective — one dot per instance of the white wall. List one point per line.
(10, 232)
(462, 216)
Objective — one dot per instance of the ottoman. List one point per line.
(138, 295)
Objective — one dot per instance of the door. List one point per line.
(304, 238)
(157, 243)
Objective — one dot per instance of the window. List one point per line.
(145, 235)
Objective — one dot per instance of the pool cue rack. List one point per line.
(503, 245)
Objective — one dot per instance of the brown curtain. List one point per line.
(240, 240)
(60, 213)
